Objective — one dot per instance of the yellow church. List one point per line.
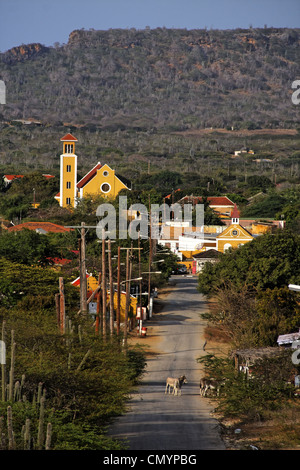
(233, 236)
(100, 180)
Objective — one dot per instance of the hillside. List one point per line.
(171, 79)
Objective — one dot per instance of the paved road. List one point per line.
(156, 421)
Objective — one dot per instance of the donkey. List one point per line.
(176, 384)
(209, 384)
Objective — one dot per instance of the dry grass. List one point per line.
(281, 431)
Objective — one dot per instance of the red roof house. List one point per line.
(43, 227)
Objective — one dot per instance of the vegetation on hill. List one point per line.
(195, 78)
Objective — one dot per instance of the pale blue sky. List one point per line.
(48, 21)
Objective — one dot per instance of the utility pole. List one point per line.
(127, 282)
(141, 284)
(82, 263)
(127, 302)
(104, 326)
(150, 256)
(83, 281)
(62, 311)
(98, 325)
(111, 290)
(119, 290)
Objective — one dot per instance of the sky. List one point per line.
(50, 21)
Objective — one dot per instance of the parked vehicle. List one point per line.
(181, 269)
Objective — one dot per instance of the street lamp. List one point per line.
(129, 280)
(151, 272)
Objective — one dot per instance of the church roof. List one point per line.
(235, 214)
(89, 176)
(69, 138)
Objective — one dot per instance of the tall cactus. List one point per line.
(3, 367)
(48, 437)
(39, 396)
(12, 367)
(27, 436)
(11, 439)
(40, 438)
(2, 439)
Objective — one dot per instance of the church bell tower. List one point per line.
(68, 172)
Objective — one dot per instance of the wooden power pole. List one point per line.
(111, 290)
(83, 280)
(104, 323)
(119, 291)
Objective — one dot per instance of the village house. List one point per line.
(221, 205)
(92, 286)
(40, 227)
(234, 235)
(189, 241)
(8, 179)
(200, 259)
(100, 180)
(289, 339)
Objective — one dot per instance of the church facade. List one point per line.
(100, 180)
(233, 236)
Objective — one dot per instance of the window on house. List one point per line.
(68, 184)
(68, 201)
(68, 168)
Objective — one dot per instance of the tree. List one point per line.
(271, 260)
(278, 312)
(27, 247)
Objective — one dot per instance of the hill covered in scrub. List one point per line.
(171, 79)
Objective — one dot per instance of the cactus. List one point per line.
(48, 436)
(40, 437)
(79, 333)
(2, 440)
(12, 367)
(11, 440)
(39, 395)
(17, 390)
(3, 367)
(27, 438)
(21, 388)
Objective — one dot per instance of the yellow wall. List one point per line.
(261, 228)
(68, 177)
(235, 241)
(94, 186)
(132, 305)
